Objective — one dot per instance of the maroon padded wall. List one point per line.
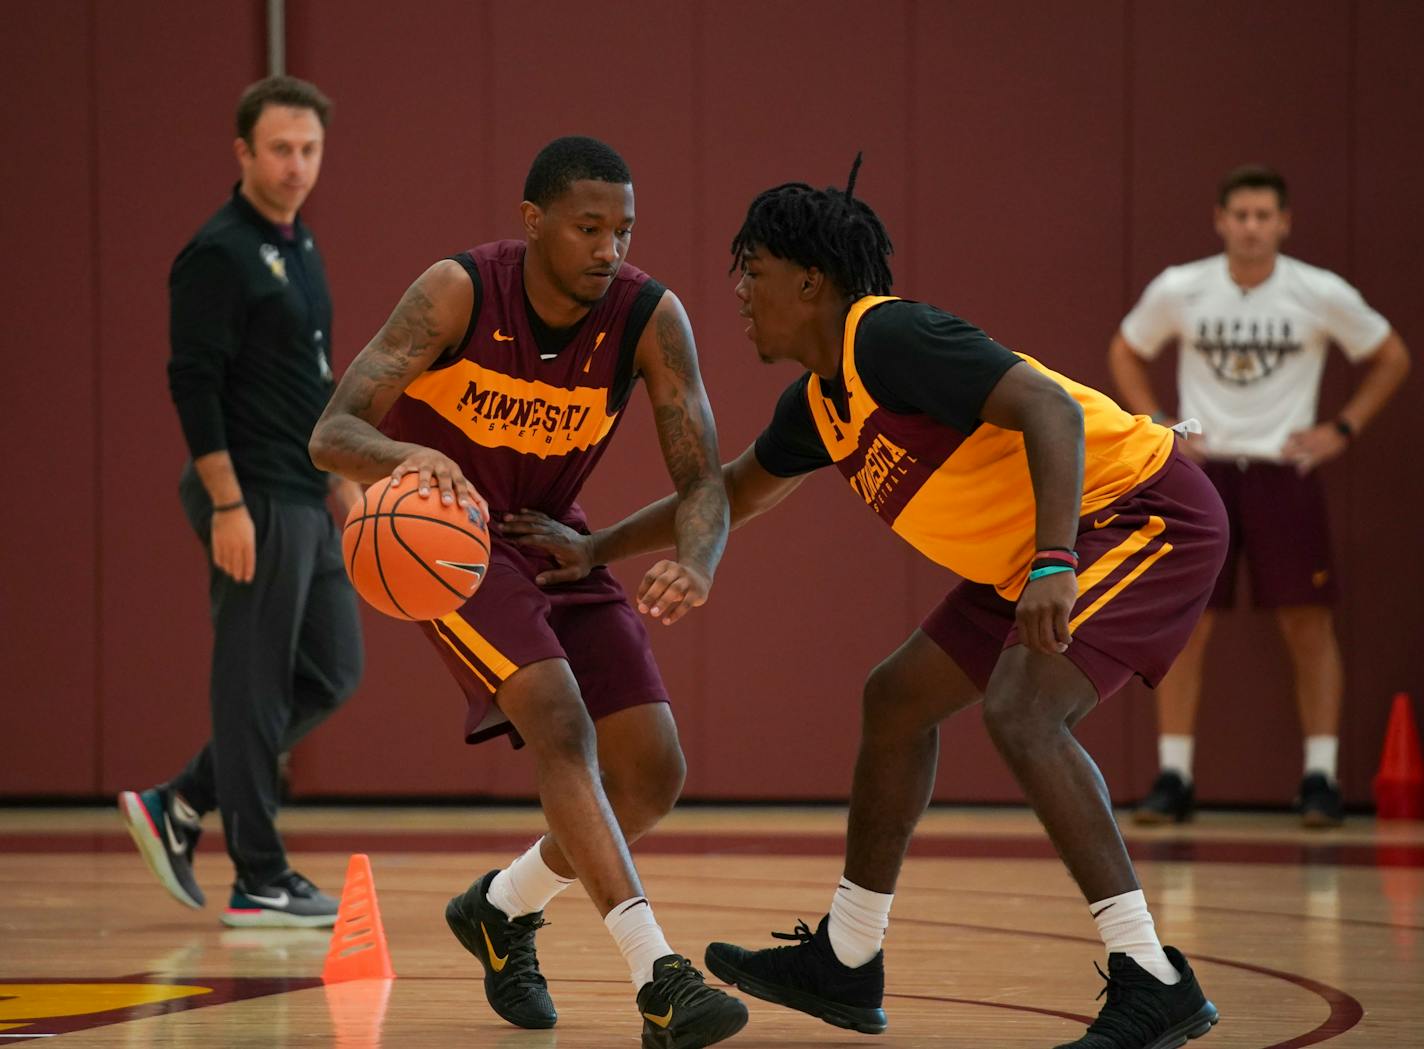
(1036, 165)
(48, 709)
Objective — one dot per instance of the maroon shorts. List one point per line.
(1146, 565)
(511, 622)
(1278, 520)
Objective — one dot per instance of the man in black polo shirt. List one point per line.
(250, 372)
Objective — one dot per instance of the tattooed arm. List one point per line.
(667, 359)
(430, 318)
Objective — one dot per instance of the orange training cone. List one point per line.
(358, 942)
(1399, 785)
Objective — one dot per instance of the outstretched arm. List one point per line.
(751, 491)
(430, 317)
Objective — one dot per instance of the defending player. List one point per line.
(1088, 546)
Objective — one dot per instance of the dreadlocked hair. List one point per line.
(827, 228)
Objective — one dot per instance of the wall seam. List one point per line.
(489, 88)
(1345, 624)
(1128, 723)
(698, 239)
(911, 188)
(95, 276)
(1127, 145)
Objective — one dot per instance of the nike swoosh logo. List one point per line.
(174, 844)
(661, 1021)
(1105, 522)
(1102, 909)
(596, 344)
(478, 571)
(280, 900)
(496, 962)
(473, 569)
(499, 336)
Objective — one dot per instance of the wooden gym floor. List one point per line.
(1300, 938)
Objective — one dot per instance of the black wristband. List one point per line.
(229, 506)
(1344, 429)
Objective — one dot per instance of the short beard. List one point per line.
(581, 300)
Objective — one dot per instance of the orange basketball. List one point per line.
(414, 557)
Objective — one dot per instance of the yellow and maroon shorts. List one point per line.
(1146, 566)
(511, 622)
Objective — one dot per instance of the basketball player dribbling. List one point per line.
(1087, 543)
(501, 376)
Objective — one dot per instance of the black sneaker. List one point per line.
(165, 840)
(1142, 1012)
(681, 1012)
(1320, 803)
(809, 977)
(288, 901)
(514, 986)
(1171, 800)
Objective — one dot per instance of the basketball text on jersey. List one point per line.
(500, 411)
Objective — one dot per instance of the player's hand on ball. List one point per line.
(1043, 610)
(233, 539)
(572, 550)
(436, 471)
(671, 589)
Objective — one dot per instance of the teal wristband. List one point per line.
(1039, 573)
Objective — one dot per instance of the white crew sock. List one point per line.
(1175, 753)
(1321, 755)
(859, 918)
(1126, 927)
(526, 885)
(639, 937)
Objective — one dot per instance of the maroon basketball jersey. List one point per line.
(527, 431)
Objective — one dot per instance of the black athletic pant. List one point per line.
(286, 653)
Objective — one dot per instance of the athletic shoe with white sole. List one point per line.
(288, 901)
(165, 840)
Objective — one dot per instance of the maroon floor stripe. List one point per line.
(767, 844)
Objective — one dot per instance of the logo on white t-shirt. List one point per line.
(1244, 351)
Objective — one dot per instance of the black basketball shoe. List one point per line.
(1320, 803)
(807, 976)
(1171, 800)
(514, 986)
(165, 840)
(681, 1012)
(1142, 1012)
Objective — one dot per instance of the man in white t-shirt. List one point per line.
(1253, 327)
